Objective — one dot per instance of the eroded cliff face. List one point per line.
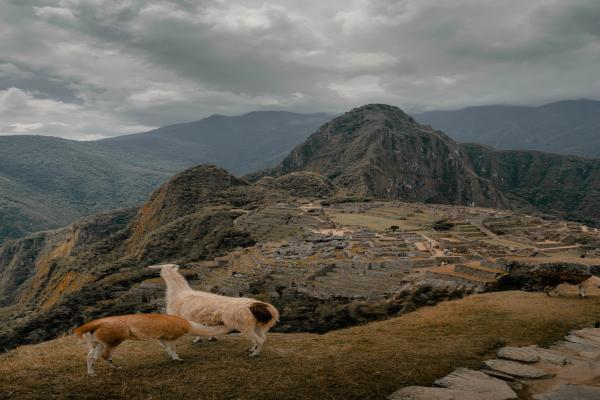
(379, 151)
(31, 269)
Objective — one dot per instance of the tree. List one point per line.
(442, 225)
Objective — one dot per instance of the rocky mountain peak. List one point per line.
(368, 119)
(380, 151)
(385, 110)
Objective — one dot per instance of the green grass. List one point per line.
(48, 182)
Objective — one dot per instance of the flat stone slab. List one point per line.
(432, 393)
(498, 374)
(467, 380)
(571, 392)
(590, 334)
(551, 356)
(516, 369)
(587, 332)
(521, 354)
(532, 354)
(579, 348)
(580, 340)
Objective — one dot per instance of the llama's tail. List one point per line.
(264, 313)
(206, 330)
(87, 327)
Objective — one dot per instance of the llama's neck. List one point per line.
(175, 282)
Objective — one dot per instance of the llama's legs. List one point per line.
(168, 346)
(256, 339)
(208, 339)
(89, 341)
(582, 290)
(92, 357)
(261, 332)
(107, 356)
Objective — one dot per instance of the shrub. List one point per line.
(442, 225)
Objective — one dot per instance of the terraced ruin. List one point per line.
(372, 257)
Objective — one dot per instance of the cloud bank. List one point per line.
(86, 69)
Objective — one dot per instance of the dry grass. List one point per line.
(364, 362)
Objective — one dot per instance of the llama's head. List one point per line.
(165, 267)
(172, 278)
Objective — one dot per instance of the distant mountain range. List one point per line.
(48, 182)
(240, 144)
(564, 127)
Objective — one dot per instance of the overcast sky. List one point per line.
(86, 69)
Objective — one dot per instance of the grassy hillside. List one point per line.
(48, 182)
(364, 362)
(564, 186)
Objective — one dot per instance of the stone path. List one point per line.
(568, 370)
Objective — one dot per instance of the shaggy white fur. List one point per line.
(251, 317)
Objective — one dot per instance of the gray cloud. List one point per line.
(94, 68)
